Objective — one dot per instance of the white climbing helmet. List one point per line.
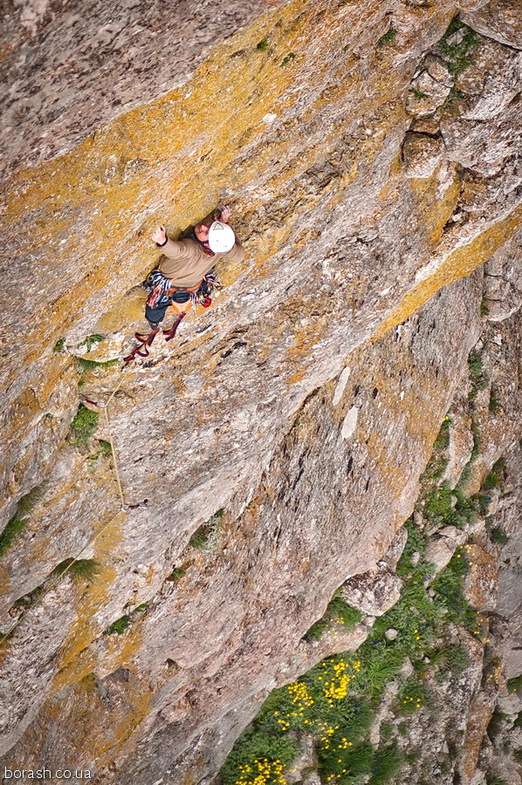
(221, 237)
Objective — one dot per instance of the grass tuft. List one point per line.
(84, 425)
(91, 340)
(338, 611)
(458, 55)
(119, 626)
(12, 530)
(204, 536)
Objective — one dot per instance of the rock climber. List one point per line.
(184, 275)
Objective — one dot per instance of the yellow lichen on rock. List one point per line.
(457, 264)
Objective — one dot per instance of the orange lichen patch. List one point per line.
(83, 631)
(481, 584)
(479, 715)
(91, 212)
(457, 264)
(435, 209)
(129, 309)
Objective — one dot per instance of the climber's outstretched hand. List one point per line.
(225, 213)
(160, 235)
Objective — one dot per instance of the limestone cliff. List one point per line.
(229, 484)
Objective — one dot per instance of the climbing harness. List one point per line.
(162, 293)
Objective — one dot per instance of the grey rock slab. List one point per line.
(70, 71)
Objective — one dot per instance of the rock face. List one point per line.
(238, 478)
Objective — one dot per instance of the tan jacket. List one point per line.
(187, 263)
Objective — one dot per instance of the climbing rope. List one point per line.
(59, 577)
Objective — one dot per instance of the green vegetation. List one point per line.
(498, 536)
(90, 341)
(18, 521)
(12, 530)
(387, 38)
(494, 405)
(83, 426)
(454, 96)
(119, 626)
(386, 765)
(204, 537)
(418, 93)
(458, 54)
(484, 307)
(335, 701)
(176, 574)
(438, 461)
(496, 724)
(496, 476)
(337, 612)
(412, 695)
(479, 380)
(141, 608)
(263, 45)
(58, 346)
(259, 754)
(78, 568)
(515, 684)
(450, 507)
(288, 59)
(90, 365)
(104, 450)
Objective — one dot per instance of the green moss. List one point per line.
(176, 574)
(58, 346)
(12, 530)
(119, 626)
(515, 684)
(205, 535)
(288, 59)
(141, 608)
(475, 364)
(90, 365)
(17, 523)
(494, 405)
(387, 38)
(263, 45)
(84, 425)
